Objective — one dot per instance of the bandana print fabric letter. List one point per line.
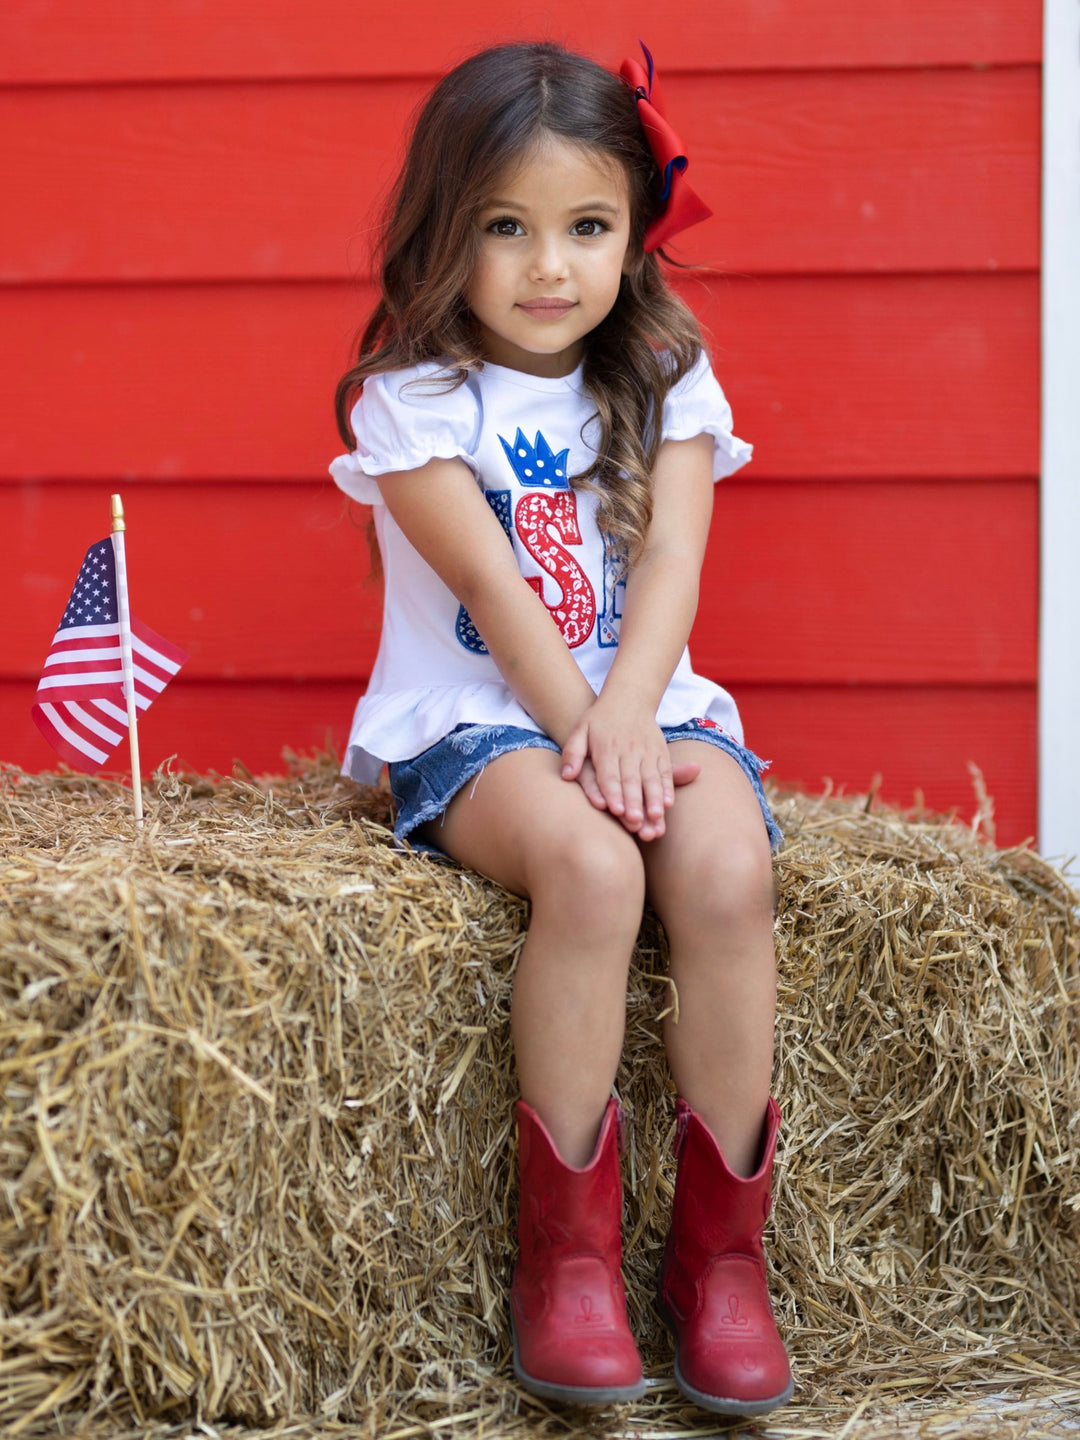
(607, 632)
(465, 630)
(550, 505)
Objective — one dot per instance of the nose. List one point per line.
(547, 261)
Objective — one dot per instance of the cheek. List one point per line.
(615, 278)
(483, 285)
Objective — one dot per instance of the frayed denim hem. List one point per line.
(424, 786)
(752, 766)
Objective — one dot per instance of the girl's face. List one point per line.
(553, 245)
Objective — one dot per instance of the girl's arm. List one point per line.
(619, 733)
(444, 516)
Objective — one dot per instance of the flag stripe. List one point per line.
(71, 657)
(58, 695)
(80, 673)
(88, 679)
(114, 711)
(79, 634)
(155, 658)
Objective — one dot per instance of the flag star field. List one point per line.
(93, 597)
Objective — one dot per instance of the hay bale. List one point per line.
(255, 1124)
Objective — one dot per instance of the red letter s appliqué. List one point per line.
(535, 517)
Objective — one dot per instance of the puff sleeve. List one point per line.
(403, 419)
(697, 406)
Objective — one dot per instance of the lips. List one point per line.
(546, 309)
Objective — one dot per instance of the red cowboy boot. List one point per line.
(713, 1295)
(568, 1306)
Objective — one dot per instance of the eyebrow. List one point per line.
(588, 208)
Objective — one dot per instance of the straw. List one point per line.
(255, 1122)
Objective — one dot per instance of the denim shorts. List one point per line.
(424, 786)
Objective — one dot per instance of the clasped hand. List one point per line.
(622, 762)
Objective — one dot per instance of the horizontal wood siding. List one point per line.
(185, 259)
(913, 170)
(858, 377)
(824, 582)
(139, 40)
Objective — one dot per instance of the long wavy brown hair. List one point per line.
(488, 113)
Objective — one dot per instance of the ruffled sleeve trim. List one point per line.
(698, 406)
(401, 421)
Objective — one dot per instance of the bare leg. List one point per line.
(537, 835)
(709, 878)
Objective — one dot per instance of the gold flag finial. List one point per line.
(117, 514)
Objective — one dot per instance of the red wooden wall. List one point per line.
(189, 188)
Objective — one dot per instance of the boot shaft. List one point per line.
(716, 1212)
(565, 1209)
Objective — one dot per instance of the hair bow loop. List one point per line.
(679, 206)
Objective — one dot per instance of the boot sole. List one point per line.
(576, 1394)
(718, 1404)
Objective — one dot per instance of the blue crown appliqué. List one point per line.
(537, 464)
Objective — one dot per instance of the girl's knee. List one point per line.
(727, 885)
(593, 875)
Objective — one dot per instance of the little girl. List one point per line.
(538, 430)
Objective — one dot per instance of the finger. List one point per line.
(574, 752)
(587, 781)
(686, 773)
(667, 783)
(610, 783)
(652, 789)
(633, 801)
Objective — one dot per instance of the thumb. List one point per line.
(574, 752)
(685, 774)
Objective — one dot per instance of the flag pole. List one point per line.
(126, 660)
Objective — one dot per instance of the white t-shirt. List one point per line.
(521, 436)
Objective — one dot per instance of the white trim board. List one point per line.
(1059, 625)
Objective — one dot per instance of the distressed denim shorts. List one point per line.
(424, 786)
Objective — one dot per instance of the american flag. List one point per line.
(79, 706)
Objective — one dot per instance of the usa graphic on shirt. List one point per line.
(545, 520)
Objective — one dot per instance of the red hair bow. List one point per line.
(679, 206)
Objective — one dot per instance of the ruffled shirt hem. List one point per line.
(401, 724)
(729, 452)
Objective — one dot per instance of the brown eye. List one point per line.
(586, 229)
(504, 226)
